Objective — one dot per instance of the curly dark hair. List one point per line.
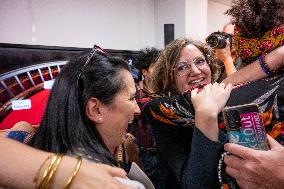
(146, 57)
(255, 17)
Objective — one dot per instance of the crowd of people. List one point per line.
(173, 113)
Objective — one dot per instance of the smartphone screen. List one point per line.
(245, 126)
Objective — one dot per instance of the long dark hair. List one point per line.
(65, 126)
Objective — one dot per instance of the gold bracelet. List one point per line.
(47, 170)
(70, 180)
(50, 172)
(53, 171)
(36, 179)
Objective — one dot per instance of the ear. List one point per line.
(93, 108)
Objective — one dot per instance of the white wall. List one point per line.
(169, 12)
(216, 18)
(196, 19)
(114, 24)
(14, 22)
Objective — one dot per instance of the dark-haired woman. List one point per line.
(89, 108)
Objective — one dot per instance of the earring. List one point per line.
(100, 119)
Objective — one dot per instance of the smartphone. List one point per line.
(245, 126)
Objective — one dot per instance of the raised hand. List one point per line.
(208, 104)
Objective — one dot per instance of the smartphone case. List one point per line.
(245, 126)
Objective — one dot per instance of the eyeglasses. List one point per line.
(95, 49)
(185, 68)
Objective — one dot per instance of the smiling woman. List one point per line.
(182, 64)
(121, 112)
(191, 69)
(89, 108)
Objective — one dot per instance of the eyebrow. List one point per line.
(194, 60)
(198, 57)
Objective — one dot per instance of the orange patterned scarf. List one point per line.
(249, 49)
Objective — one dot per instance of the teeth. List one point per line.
(196, 81)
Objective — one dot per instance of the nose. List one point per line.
(194, 70)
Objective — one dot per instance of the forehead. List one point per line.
(190, 52)
(129, 88)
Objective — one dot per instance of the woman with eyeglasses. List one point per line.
(183, 65)
(186, 126)
(89, 108)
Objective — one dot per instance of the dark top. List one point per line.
(181, 162)
(186, 153)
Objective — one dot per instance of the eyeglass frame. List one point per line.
(189, 65)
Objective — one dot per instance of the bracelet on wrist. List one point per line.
(264, 66)
(50, 171)
(75, 172)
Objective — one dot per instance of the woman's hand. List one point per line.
(212, 99)
(225, 53)
(208, 104)
(226, 58)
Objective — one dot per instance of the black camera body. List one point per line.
(217, 40)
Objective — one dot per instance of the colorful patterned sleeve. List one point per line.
(171, 111)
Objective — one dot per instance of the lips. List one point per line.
(198, 86)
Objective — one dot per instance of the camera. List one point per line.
(218, 40)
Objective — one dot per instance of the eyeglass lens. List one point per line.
(184, 67)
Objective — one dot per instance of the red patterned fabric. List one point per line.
(250, 48)
(32, 116)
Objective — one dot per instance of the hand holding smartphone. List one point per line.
(245, 126)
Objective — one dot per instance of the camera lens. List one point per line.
(212, 41)
(233, 118)
(217, 40)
